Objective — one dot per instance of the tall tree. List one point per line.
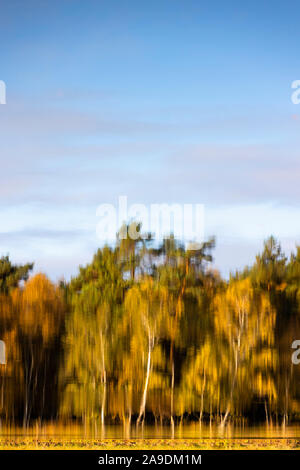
(11, 274)
(269, 270)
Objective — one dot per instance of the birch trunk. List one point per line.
(144, 397)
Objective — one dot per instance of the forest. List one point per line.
(149, 333)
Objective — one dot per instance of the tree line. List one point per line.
(148, 333)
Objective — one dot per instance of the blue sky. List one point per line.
(162, 101)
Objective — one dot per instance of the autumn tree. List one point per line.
(40, 309)
(11, 274)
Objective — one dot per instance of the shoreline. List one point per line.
(151, 444)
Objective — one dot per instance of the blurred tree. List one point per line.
(269, 270)
(11, 275)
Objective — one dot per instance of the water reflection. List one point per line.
(191, 431)
(173, 350)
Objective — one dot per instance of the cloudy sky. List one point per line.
(166, 101)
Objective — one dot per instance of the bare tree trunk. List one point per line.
(127, 413)
(28, 379)
(103, 404)
(266, 412)
(202, 398)
(237, 347)
(224, 419)
(172, 398)
(144, 397)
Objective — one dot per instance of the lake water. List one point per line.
(186, 431)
